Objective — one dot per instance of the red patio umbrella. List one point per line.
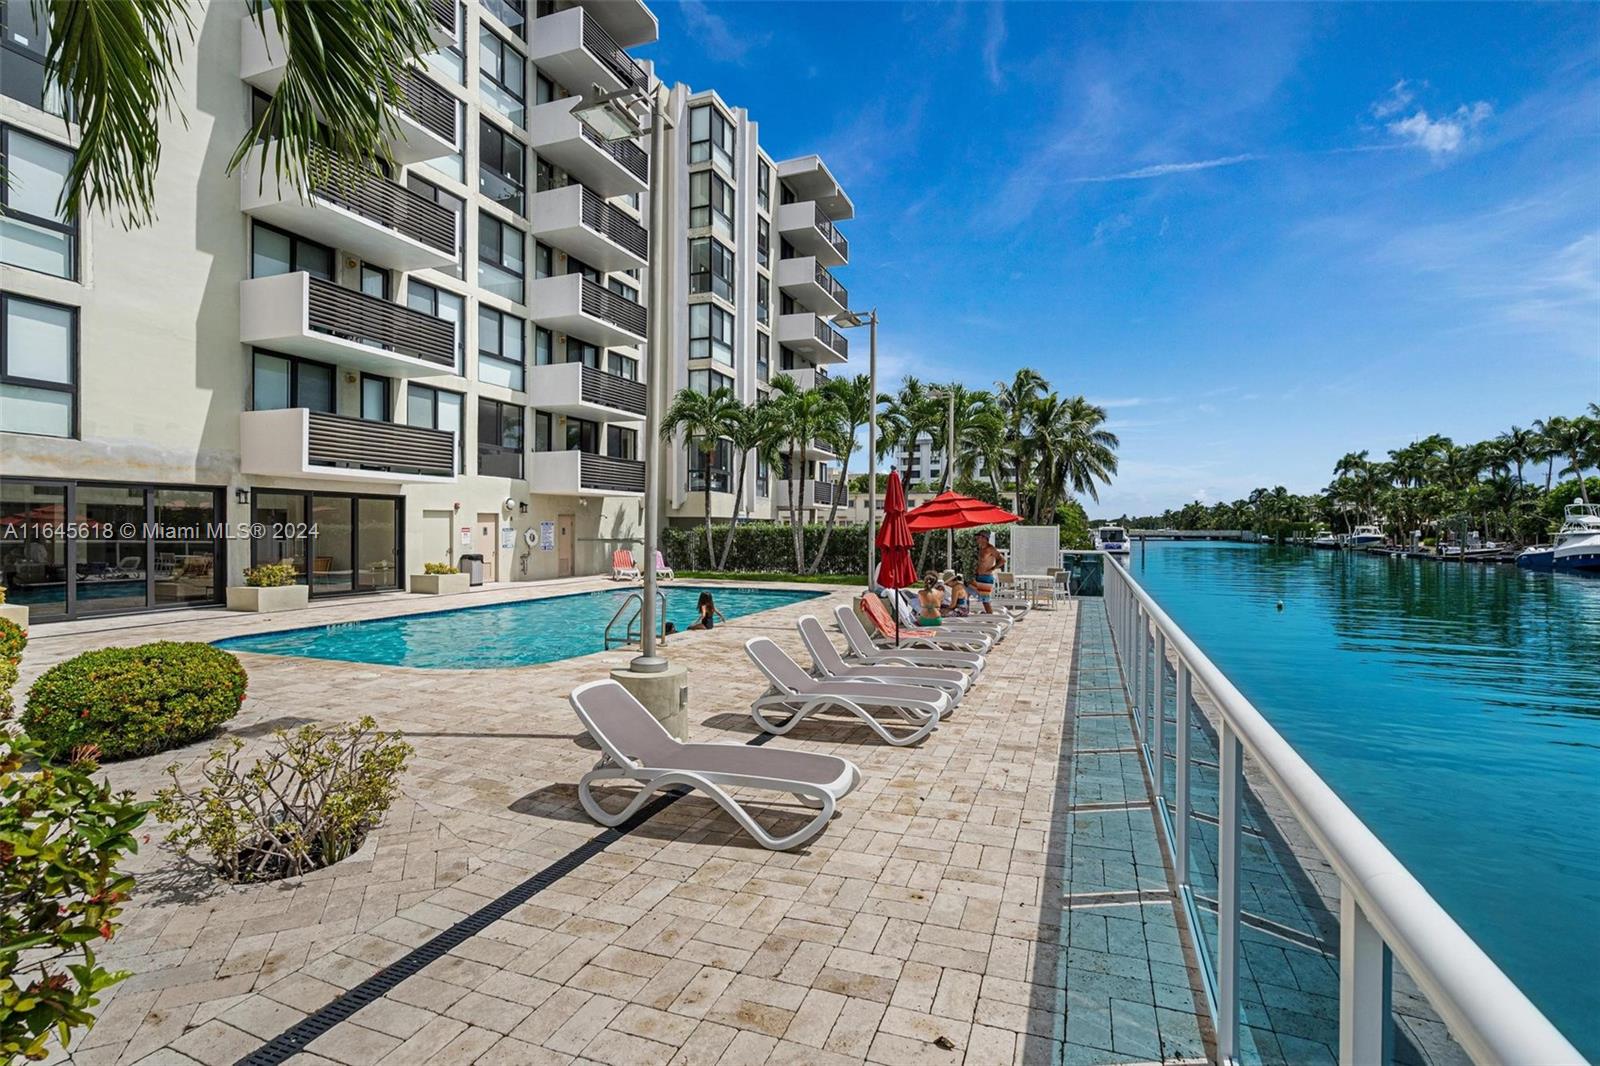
(951, 510)
(894, 545)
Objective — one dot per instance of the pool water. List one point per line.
(1455, 708)
(495, 636)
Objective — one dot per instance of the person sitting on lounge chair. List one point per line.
(929, 600)
(956, 602)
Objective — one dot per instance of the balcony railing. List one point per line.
(607, 474)
(392, 206)
(831, 337)
(831, 286)
(612, 390)
(1382, 909)
(337, 440)
(627, 153)
(365, 319)
(824, 491)
(614, 224)
(432, 107)
(605, 48)
(497, 461)
(444, 12)
(620, 311)
(830, 231)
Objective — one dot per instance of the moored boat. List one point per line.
(1576, 547)
(1364, 537)
(1113, 540)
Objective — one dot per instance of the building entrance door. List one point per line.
(486, 542)
(564, 545)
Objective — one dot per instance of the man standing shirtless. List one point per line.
(983, 574)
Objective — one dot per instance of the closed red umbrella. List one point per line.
(951, 510)
(894, 544)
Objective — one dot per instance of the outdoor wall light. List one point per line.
(522, 508)
(241, 495)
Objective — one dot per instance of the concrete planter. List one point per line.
(441, 584)
(265, 600)
(15, 613)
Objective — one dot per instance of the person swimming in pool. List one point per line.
(709, 615)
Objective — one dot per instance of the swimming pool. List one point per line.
(494, 636)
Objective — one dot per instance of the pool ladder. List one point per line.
(631, 634)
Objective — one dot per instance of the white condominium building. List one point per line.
(752, 296)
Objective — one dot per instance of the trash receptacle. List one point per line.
(472, 564)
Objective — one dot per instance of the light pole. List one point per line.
(851, 319)
(611, 117)
(949, 395)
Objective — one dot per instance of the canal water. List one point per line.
(1455, 708)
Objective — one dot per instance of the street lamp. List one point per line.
(949, 463)
(613, 117)
(850, 320)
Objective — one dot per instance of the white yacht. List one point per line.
(1325, 538)
(1577, 546)
(1112, 540)
(1364, 537)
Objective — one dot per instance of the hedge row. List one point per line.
(767, 546)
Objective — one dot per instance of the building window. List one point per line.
(499, 438)
(763, 356)
(34, 234)
(622, 288)
(764, 185)
(429, 191)
(622, 443)
(583, 435)
(500, 348)
(511, 14)
(500, 264)
(274, 251)
(543, 260)
(763, 242)
(281, 381)
(710, 137)
(502, 72)
(711, 267)
(453, 166)
(711, 203)
(374, 282)
(24, 43)
(578, 266)
(543, 430)
(500, 166)
(544, 346)
(763, 478)
(710, 333)
(440, 303)
(376, 398)
(581, 351)
(763, 298)
(544, 90)
(718, 467)
(451, 61)
(38, 367)
(433, 408)
(622, 365)
(705, 382)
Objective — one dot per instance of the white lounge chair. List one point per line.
(863, 650)
(877, 613)
(801, 695)
(623, 568)
(636, 748)
(828, 664)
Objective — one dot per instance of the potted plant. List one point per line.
(269, 587)
(15, 613)
(440, 579)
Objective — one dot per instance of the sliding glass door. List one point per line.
(338, 544)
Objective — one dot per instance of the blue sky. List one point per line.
(1262, 236)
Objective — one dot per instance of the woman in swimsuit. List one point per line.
(709, 615)
(928, 602)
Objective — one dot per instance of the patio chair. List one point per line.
(828, 664)
(623, 568)
(863, 650)
(636, 748)
(797, 692)
(922, 636)
(662, 569)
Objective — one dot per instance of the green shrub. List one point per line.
(339, 781)
(270, 575)
(768, 546)
(13, 638)
(134, 701)
(439, 568)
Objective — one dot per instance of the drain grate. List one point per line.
(293, 1041)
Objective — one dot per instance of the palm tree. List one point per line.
(1571, 438)
(1017, 401)
(1520, 445)
(1074, 451)
(853, 397)
(118, 64)
(909, 414)
(704, 419)
(752, 428)
(805, 413)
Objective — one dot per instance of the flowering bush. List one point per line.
(134, 701)
(270, 575)
(308, 803)
(439, 568)
(13, 638)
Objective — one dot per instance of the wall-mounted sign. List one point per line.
(547, 536)
(466, 536)
(508, 537)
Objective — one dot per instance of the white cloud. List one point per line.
(1396, 100)
(1444, 135)
(1107, 228)
(995, 38)
(716, 37)
(1161, 170)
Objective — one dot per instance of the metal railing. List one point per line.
(444, 12)
(831, 286)
(633, 158)
(392, 206)
(432, 107)
(364, 444)
(1384, 912)
(343, 312)
(614, 224)
(609, 474)
(830, 231)
(597, 386)
(831, 337)
(605, 48)
(631, 631)
(620, 311)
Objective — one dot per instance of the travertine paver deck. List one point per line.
(925, 925)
